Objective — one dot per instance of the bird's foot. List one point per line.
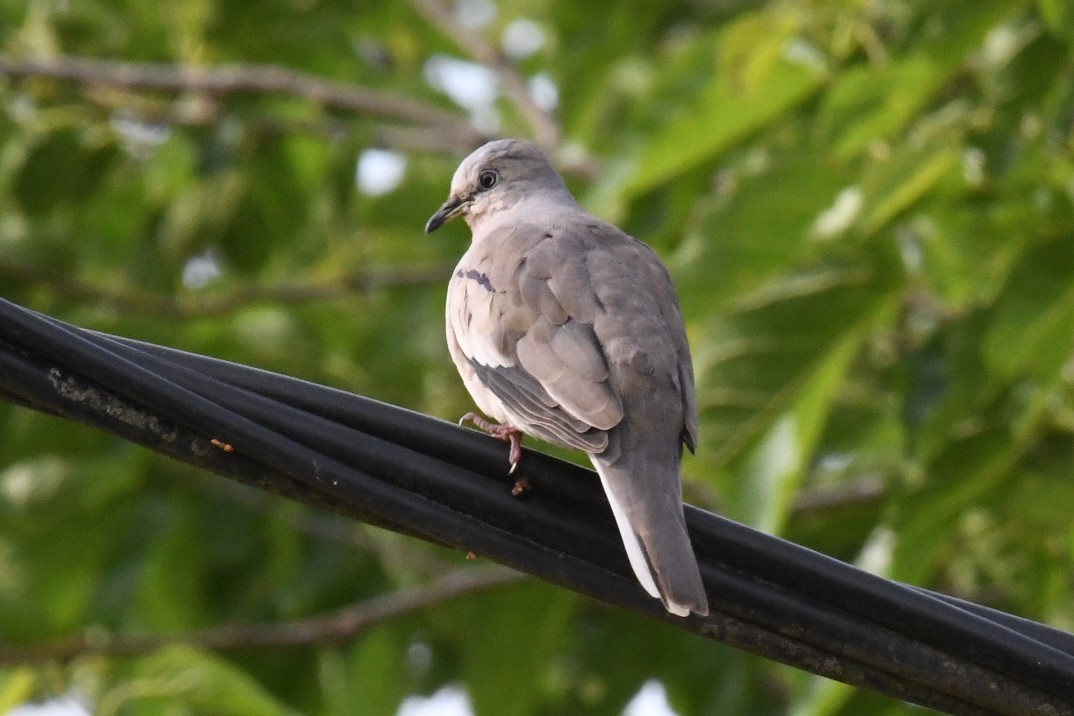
(503, 431)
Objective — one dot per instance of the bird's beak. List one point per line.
(451, 208)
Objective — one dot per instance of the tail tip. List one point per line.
(679, 609)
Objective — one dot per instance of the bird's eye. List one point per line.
(488, 179)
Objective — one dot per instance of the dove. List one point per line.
(567, 329)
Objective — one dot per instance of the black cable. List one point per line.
(429, 478)
(794, 568)
(829, 628)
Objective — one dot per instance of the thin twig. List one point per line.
(545, 129)
(385, 133)
(215, 304)
(239, 79)
(332, 628)
(854, 493)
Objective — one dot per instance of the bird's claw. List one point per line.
(515, 454)
(503, 431)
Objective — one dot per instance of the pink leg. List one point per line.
(505, 432)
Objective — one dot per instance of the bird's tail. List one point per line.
(647, 504)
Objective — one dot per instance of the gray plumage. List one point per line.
(568, 329)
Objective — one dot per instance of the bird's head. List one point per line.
(496, 177)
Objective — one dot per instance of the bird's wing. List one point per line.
(522, 308)
(642, 334)
(662, 324)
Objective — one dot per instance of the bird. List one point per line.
(565, 328)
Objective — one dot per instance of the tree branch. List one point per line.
(420, 126)
(334, 627)
(865, 490)
(216, 304)
(425, 138)
(245, 79)
(546, 130)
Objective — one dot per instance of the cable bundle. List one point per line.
(428, 478)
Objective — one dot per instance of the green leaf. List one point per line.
(16, 687)
(747, 91)
(969, 247)
(378, 671)
(877, 102)
(521, 628)
(1059, 17)
(763, 229)
(1033, 328)
(958, 479)
(902, 183)
(763, 354)
(59, 169)
(963, 475)
(773, 471)
(172, 577)
(183, 676)
(824, 698)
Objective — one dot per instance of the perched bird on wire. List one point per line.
(565, 328)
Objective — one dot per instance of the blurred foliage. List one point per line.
(867, 207)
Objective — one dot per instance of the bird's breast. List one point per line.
(468, 317)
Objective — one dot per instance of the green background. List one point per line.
(867, 207)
